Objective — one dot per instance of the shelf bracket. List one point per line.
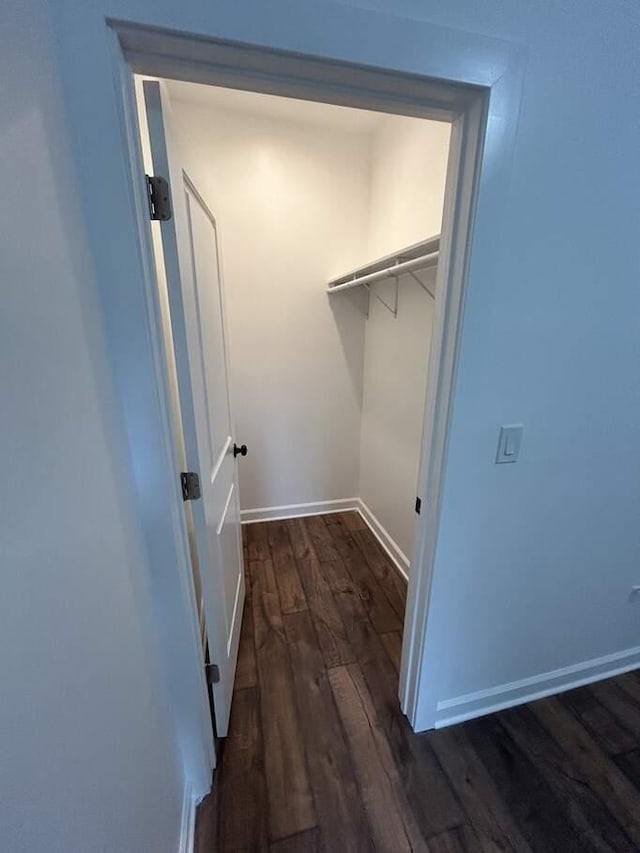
(422, 284)
(392, 308)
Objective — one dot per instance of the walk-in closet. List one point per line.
(297, 274)
(328, 223)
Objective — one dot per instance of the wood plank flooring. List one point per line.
(320, 759)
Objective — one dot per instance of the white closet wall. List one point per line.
(408, 171)
(292, 205)
(330, 405)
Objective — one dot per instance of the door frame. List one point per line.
(475, 95)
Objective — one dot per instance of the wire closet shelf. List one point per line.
(409, 260)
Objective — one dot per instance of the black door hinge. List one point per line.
(418, 505)
(190, 483)
(212, 672)
(159, 198)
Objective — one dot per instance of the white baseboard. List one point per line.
(188, 821)
(277, 513)
(399, 558)
(471, 705)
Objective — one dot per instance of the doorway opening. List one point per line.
(297, 279)
(217, 538)
(328, 222)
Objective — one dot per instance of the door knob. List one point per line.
(239, 451)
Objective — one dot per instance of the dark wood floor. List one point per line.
(319, 757)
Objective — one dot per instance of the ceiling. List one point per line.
(276, 107)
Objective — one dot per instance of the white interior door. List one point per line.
(192, 263)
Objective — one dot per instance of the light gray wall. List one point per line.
(88, 758)
(291, 201)
(535, 561)
(408, 172)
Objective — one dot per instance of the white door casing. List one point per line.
(190, 242)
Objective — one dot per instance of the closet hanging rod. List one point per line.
(392, 271)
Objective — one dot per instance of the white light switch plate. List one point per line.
(509, 443)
